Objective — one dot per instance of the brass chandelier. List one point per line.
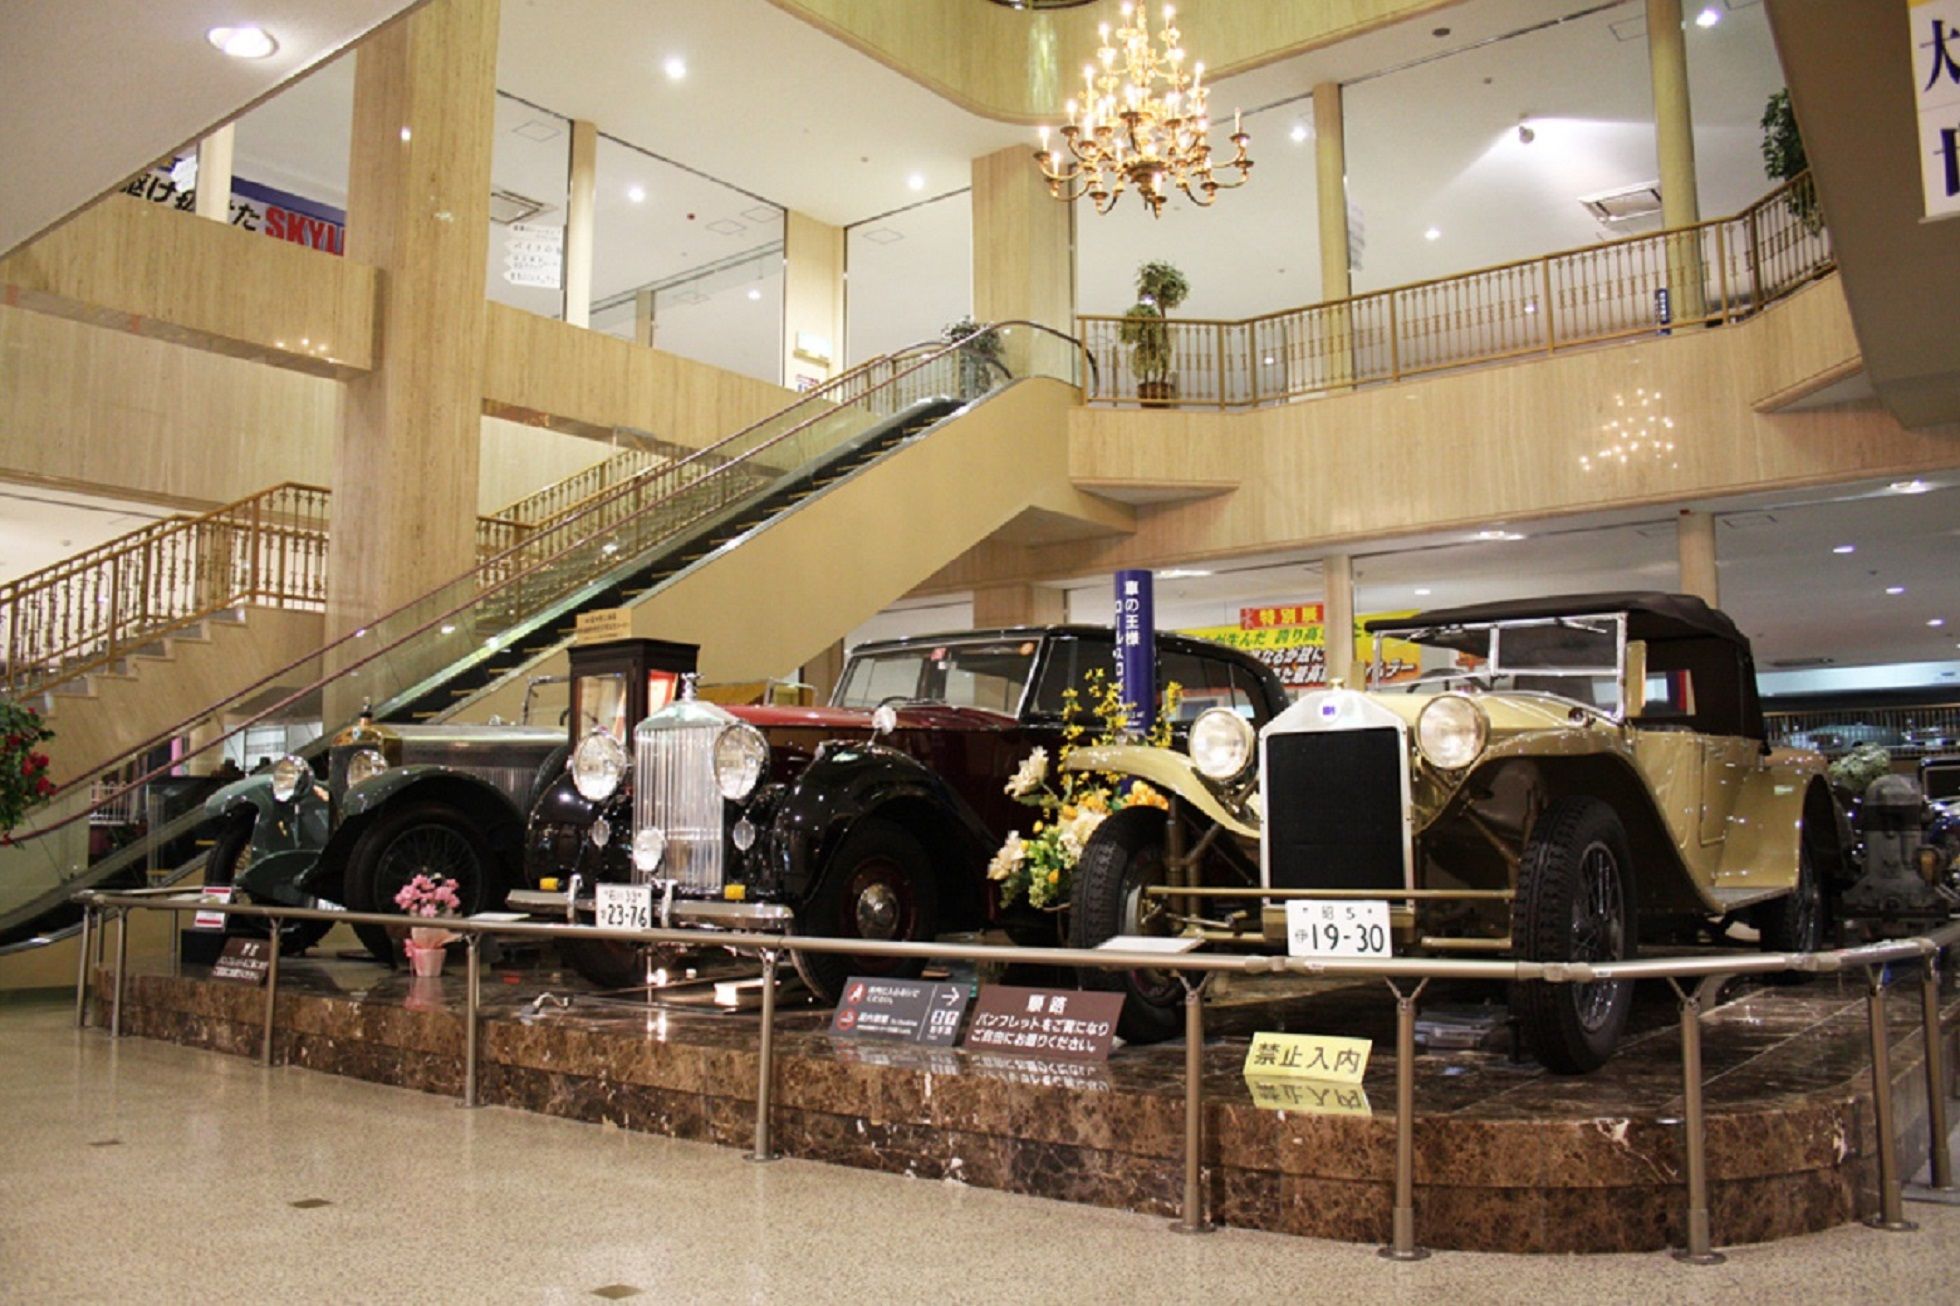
(1141, 123)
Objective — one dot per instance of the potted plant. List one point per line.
(1146, 330)
(428, 896)
(1784, 158)
(24, 779)
(980, 354)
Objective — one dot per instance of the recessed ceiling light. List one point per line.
(1895, 589)
(1267, 360)
(637, 194)
(1422, 593)
(1299, 132)
(1708, 17)
(1937, 621)
(1845, 548)
(1181, 573)
(755, 294)
(675, 68)
(916, 181)
(242, 42)
(1914, 486)
(1432, 234)
(1499, 535)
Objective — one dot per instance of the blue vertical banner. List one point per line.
(1136, 648)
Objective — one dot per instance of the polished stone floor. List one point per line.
(141, 1171)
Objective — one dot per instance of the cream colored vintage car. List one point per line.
(1556, 776)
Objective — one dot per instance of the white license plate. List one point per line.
(1355, 927)
(625, 906)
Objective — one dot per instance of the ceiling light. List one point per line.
(637, 194)
(242, 42)
(675, 68)
(1937, 621)
(1181, 573)
(1422, 593)
(1267, 360)
(1432, 234)
(1299, 132)
(1525, 135)
(407, 134)
(916, 181)
(1708, 17)
(754, 293)
(1895, 589)
(1498, 535)
(1845, 548)
(1914, 486)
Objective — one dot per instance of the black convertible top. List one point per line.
(1651, 615)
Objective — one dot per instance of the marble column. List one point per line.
(1332, 355)
(813, 299)
(1337, 576)
(418, 209)
(643, 318)
(578, 223)
(1023, 244)
(1018, 604)
(214, 173)
(1694, 535)
(1674, 142)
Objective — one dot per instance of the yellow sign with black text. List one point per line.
(1292, 640)
(1324, 1057)
(1280, 1093)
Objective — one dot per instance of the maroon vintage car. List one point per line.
(872, 818)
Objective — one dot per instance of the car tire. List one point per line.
(229, 856)
(1125, 854)
(426, 838)
(1574, 902)
(1795, 922)
(879, 885)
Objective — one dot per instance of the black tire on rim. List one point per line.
(879, 886)
(426, 838)
(1125, 855)
(229, 857)
(1795, 922)
(1574, 903)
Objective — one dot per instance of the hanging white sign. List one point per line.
(1935, 26)
(533, 255)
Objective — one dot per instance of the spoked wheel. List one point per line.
(1795, 922)
(418, 839)
(879, 886)
(1574, 903)
(230, 856)
(1122, 858)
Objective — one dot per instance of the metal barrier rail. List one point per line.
(1194, 971)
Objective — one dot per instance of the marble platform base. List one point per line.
(1508, 1158)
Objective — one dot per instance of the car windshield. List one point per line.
(992, 674)
(1577, 658)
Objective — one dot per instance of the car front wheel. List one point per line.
(879, 886)
(229, 858)
(1123, 858)
(1574, 903)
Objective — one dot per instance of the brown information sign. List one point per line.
(1065, 1024)
(244, 961)
(602, 625)
(917, 1011)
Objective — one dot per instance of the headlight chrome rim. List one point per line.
(740, 755)
(598, 765)
(1451, 732)
(364, 765)
(649, 845)
(289, 773)
(1221, 744)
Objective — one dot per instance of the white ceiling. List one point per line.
(39, 527)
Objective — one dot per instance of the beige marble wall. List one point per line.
(1023, 244)
(813, 295)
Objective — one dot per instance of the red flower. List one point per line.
(43, 787)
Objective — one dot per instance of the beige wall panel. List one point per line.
(1802, 344)
(542, 371)
(518, 460)
(154, 271)
(813, 294)
(1023, 244)
(1020, 66)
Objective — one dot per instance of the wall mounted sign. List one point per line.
(534, 254)
(1056, 1024)
(254, 207)
(1935, 26)
(912, 1011)
(602, 625)
(1291, 638)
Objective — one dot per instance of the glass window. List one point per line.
(602, 703)
(530, 163)
(910, 276)
(991, 675)
(1070, 659)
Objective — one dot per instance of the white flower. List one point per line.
(1026, 780)
(1009, 858)
(1075, 832)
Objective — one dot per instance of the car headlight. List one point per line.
(648, 847)
(1451, 732)
(365, 765)
(740, 751)
(1221, 743)
(288, 774)
(598, 764)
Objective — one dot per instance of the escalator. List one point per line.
(479, 630)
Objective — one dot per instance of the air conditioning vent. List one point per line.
(1801, 664)
(1623, 212)
(507, 206)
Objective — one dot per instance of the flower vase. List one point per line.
(425, 994)
(424, 962)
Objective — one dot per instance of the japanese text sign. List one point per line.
(916, 1011)
(1136, 648)
(1935, 26)
(1322, 1057)
(1065, 1024)
(244, 961)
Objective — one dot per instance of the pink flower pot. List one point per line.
(424, 961)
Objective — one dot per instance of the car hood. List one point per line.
(845, 720)
(1508, 713)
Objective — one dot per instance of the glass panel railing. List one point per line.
(479, 617)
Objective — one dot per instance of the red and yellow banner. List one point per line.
(1297, 649)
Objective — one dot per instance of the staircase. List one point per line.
(658, 541)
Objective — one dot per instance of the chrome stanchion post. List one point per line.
(86, 939)
(1891, 1215)
(1701, 1245)
(1402, 1238)
(472, 978)
(1929, 1010)
(1191, 1219)
(765, 1055)
(271, 987)
(122, 964)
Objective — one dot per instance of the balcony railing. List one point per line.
(1717, 271)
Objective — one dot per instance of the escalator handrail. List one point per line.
(478, 595)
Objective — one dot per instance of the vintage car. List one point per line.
(873, 817)
(401, 800)
(1562, 773)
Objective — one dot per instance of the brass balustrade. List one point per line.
(1721, 270)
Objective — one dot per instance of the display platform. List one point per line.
(1508, 1158)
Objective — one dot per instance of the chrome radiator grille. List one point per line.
(674, 790)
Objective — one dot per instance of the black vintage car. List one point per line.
(873, 817)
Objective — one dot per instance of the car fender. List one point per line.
(287, 837)
(1173, 773)
(494, 815)
(1765, 832)
(848, 782)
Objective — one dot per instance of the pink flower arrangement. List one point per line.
(423, 896)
